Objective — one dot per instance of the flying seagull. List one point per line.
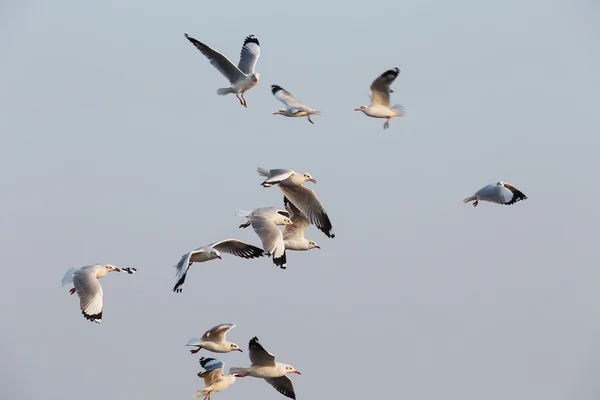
(380, 98)
(293, 108)
(88, 288)
(214, 340)
(214, 380)
(501, 193)
(242, 77)
(293, 236)
(263, 365)
(212, 251)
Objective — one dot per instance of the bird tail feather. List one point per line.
(194, 342)
(236, 370)
(200, 393)
(468, 199)
(243, 213)
(263, 171)
(224, 91)
(400, 110)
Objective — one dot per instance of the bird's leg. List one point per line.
(244, 104)
(195, 350)
(238, 97)
(387, 123)
(309, 120)
(475, 203)
(72, 291)
(206, 397)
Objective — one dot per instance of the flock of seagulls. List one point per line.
(301, 209)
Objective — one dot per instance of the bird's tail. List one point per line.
(263, 171)
(399, 109)
(243, 213)
(200, 393)
(316, 112)
(237, 370)
(224, 91)
(468, 199)
(68, 278)
(194, 342)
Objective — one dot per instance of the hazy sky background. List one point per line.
(114, 148)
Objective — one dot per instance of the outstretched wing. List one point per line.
(286, 97)
(213, 370)
(308, 203)
(90, 294)
(258, 355)
(217, 333)
(219, 61)
(238, 248)
(249, 55)
(380, 88)
(290, 231)
(283, 385)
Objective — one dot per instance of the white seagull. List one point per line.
(305, 199)
(212, 251)
(214, 380)
(263, 365)
(293, 236)
(380, 98)
(500, 193)
(214, 340)
(293, 107)
(88, 288)
(264, 221)
(242, 77)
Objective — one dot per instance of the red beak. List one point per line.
(117, 269)
(240, 350)
(317, 247)
(294, 225)
(297, 372)
(357, 109)
(219, 257)
(313, 180)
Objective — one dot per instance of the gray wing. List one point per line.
(258, 355)
(287, 98)
(283, 385)
(213, 370)
(308, 203)
(270, 236)
(380, 88)
(219, 61)
(238, 248)
(517, 195)
(182, 268)
(90, 294)
(217, 333)
(278, 175)
(249, 55)
(298, 218)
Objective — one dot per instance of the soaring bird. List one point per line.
(500, 193)
(293, 108)
(380, 98)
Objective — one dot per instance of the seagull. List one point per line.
(501, 193)
(264, 221)
(380, 98)
(214, 380)
(214, 340)
(263, 365)
(293, 107)
(305, 199)
(293, 236)
(212, 251)
(89, 290)
(242, 77)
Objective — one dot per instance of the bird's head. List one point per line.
(307, 177)
(255, 77)
(111, 268)
(281, 220)
(235, 347)
(291, 370)
(280, 112)
(361, 108)
(500, 183)
(313, 245)
(215, 254)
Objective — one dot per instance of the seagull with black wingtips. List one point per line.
(380, 98)
(499, 193)
(293, 108)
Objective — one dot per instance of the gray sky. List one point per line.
(115, 149)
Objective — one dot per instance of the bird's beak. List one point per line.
(357, 109)
(294, 225)
(317, 247)
(275, 113)
(297, 372)
(313, 180)
(240, 350)
(219, 257)
(117, 269)
(240, 375)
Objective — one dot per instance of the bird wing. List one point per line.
(217, 333)
(213, 370)
(258, 355)
(68, 278)
(380, 88)
(219, 61)
(297, 218)
(183, 266)
(249, 55)
(270, 236)
(493, 193)
(308, 203)
(286, 98)
(278, 175)
(283, 385)
(90, 293)
(238, 248)
(517, 195)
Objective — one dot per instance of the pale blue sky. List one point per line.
(115, 149)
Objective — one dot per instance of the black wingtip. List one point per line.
(280, 261)
(251, 39)
(178, 286)
(205, 360)
(93, 317)
(276, 88)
